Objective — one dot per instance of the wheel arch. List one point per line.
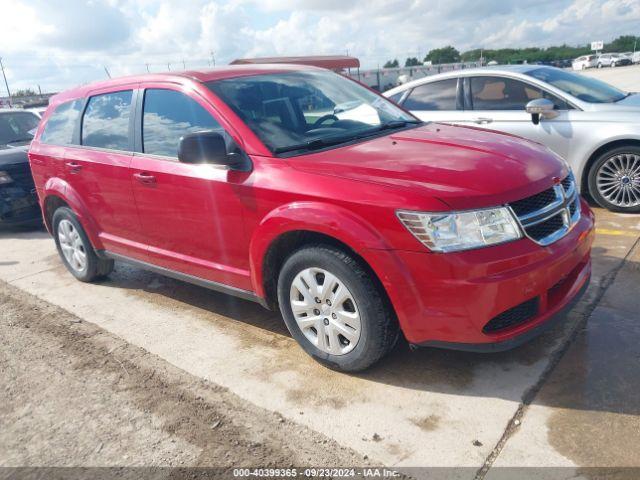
(58, 193)
(285, 244)
(293, 226)
(584, 179)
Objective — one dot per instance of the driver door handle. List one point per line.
(73, 167)
(482, 120)
(145, 178)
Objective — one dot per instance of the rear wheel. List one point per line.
(334, 309)
(614, 179)
(75, 249)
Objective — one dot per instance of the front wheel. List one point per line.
(334, 309)
(614, 180)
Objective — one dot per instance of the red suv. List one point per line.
(302, 190)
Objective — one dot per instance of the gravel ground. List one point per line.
(73, 394)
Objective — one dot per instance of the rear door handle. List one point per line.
(74, 167)
(483, 120)
(145, 178)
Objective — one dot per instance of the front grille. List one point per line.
(543, 229)
(534, 203)
(549, 215)
(514, 316)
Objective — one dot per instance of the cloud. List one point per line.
(62, 43)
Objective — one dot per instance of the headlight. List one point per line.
(450, 232)
(5, 178)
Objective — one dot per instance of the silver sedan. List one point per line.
(592, 125)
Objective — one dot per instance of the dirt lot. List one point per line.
(73, 394)
(626, 78)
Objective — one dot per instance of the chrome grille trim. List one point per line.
(566, 200)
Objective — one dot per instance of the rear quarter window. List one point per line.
(433, 96)
(62, 123)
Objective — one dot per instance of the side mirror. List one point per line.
(210, 147)
(541, 107)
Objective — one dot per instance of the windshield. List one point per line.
(306, 110)
(582, 87)
(17, 127)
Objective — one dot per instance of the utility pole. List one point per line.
(184, 65)
(169, 66)
(148, 71)
(6, 84)
(213, 58)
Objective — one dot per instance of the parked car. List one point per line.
(305, 191)
(591, 124)
(18, 201)
(584, 62)
(562, 63)
(612, 60)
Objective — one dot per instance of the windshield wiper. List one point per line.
(398, 124)
(317, 143)
(314, 144)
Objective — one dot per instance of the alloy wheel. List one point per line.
(72, 246)
(618, 180)
(325, 311)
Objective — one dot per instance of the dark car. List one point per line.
(18, 200)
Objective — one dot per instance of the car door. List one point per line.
(98, 170)
(190, 213)
(439, 101)
(498, 103)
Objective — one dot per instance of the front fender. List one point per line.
(610, 136)
(327, 219)
(57, 187)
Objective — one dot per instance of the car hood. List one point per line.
(465, 167)
(12, 156)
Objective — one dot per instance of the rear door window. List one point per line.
(168, 116)
(106, 121)
(433, 96)
(62, 123)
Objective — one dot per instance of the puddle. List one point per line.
(595, 389)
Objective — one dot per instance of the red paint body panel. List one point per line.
(218, 225)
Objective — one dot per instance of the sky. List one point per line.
(58, 44)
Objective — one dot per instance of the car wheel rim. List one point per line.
(618, 180)
(72, 246)
(326, 311)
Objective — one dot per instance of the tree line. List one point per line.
(449, 54)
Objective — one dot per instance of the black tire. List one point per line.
(379, 328)
(593, 173)
(96, 267)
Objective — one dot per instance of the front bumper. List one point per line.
(447, 300)
(18, 206)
